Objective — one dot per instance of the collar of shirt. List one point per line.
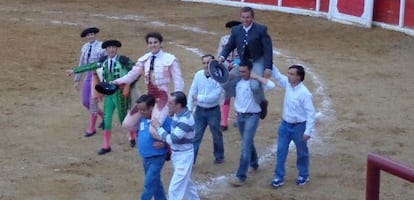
(157, 55)
(92, 43)
(248, 28)
(206, 75)
(182, 113)
(113, 59)
(299, 85)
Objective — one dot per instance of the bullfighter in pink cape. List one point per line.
(160, 69)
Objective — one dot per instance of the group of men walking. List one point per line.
(161, 121)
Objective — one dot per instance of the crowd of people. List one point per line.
(170, 125)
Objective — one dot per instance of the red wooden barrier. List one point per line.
(409, 14)
(377, 163)
(310, 5)
(324, 6)
(351, 7)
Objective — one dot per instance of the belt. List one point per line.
(179, 150)
(294, 123)
(156, 156)
(247, 114)
(207, 109)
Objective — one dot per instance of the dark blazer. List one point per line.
(259, 44)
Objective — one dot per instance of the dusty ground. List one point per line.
(362, 81)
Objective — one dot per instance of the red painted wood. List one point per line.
(377, 163)
(305, 4)
(266, 2)
(409, 14)
(386, 11)
(324, 6)
(351, 7)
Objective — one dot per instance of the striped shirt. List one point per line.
(182, 131)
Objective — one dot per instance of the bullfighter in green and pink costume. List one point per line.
(114, 66)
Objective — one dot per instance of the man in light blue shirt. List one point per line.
(152, 151)
(298, 121)
(204, 98)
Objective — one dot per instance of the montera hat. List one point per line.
(89, 30)
(218, 71)
(230, 24)
(106, 88)
(111, 43)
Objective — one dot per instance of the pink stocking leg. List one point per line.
(225, 113)
(92, 123)
(107, 139)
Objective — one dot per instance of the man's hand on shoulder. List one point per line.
(221, 59)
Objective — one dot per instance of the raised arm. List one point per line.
(131, 76)
(267, 84)
(88, 67)
(281, 79)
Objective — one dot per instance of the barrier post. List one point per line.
(375, 164)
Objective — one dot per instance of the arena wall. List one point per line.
(396, 15)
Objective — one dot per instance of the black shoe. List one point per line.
(224, 128)
(89, 134)
(104, 151)
(101, 125)
(132, 143)
(263, 106)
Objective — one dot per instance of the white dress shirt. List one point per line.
(248, 28)
(166, 66)
(244, 101)
(96, 53)
(207, 89)
(297, 105)
(113, 59)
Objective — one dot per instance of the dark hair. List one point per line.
(207, 55)
(247, 9)
(299, 70)
(247, 63)
(153, 35)
(148, 99)
(180, 98)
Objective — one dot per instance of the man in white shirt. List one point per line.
(204, 98)
(248, 116)
(298, 121)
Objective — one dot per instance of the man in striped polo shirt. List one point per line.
(180, 139)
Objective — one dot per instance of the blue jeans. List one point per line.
(212, 118)
(287, 133)
(153, 186)
(247, 124)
